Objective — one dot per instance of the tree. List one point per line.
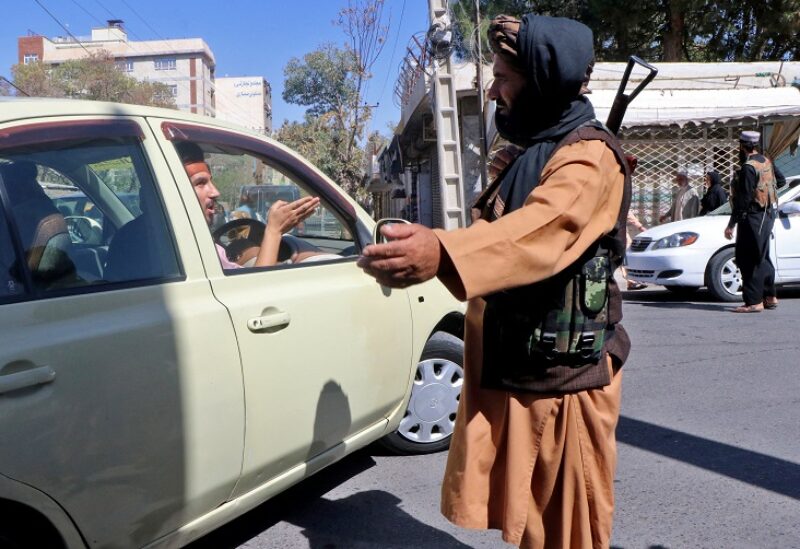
(662, 30)
(331, 82)
(94, 77)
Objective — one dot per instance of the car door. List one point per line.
(326, 351)
(121, 399)
(787, 241)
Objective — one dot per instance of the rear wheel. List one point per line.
(723, 278)
(431, 414)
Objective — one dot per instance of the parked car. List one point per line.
(147, 395)
(686, 255)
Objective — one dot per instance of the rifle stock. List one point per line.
(621, 100)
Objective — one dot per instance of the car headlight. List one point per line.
(676, 240)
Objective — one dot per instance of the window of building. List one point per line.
(165, 64)
(86, 214)
(30, 58)
(173, 90)
(125, 65)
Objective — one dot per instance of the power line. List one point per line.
(60, 24)
(87, 12)
(185, 83)
(15, 86)
(394, 49)
(219, 101)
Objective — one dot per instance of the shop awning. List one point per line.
(666, 107)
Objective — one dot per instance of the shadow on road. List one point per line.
(767, 472)
(699, 300)
(368, 519)
(371, 519)
(268, 514)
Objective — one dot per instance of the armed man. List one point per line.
(754, 200)
(534, 452)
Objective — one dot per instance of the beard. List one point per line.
(525, 117)
(743, 154)
(514, 124)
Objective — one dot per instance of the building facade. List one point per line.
(186, 66)
(245, 100)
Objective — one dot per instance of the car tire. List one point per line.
(428, 423)
(723, 278)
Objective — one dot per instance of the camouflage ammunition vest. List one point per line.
(553, 335)
(765, 195)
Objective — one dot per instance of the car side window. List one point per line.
(238, 206)
(87, 214)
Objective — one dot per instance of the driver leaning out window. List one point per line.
(282, 218)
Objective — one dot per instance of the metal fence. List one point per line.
(663, 150)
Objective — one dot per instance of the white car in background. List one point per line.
(686, 255)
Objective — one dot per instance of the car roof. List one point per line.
(19, 108)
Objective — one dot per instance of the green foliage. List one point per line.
(658, 30)
(94, 77)
(330, 82)
(322, 141)
(324, 81)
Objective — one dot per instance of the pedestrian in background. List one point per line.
(754, 200)
(715, 195)
(685, 203)
(534, 451)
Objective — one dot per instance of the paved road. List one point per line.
(709, 450)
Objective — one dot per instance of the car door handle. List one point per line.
(26, 378)
(270, 322)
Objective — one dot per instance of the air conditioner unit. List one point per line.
(428, 129)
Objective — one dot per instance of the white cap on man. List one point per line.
(750, 137)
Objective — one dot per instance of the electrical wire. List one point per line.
(60, 24)
(394, 49)
(185, 83)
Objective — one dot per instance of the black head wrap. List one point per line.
(555, 54)
(714, 178)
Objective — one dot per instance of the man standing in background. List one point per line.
(754, 198)
(686, 203)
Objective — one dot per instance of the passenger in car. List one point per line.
(283, 216)
(42, 229)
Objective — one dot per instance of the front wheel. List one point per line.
(431, 413)
(723, 278)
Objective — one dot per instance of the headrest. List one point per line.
(21, 169)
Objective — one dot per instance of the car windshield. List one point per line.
(725, 209)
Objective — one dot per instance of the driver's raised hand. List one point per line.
(284, 216)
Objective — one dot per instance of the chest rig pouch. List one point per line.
(550, 336)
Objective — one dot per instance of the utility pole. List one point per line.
(481, 96)
(445, 116)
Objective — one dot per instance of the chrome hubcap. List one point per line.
(431, 412)
(731, 277)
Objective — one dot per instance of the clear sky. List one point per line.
(248, 37)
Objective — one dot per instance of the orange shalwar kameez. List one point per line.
(539, 467)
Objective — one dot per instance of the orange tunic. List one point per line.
(538, 467)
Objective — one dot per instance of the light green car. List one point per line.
(147, 394)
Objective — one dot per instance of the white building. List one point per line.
(245, 100)
(185, 65)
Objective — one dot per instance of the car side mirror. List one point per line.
(789, 208)
(377, 237)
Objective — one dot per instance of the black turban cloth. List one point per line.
(554, 54)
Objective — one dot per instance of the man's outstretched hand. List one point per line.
(411, 256)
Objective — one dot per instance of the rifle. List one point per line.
(621, 101)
